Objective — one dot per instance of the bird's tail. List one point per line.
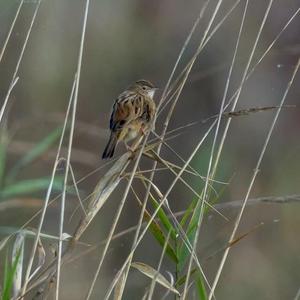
(110, 147)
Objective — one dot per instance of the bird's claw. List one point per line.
(130, 149)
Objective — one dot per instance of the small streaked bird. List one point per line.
(132, 115)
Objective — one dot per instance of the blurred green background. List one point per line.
(128, 40)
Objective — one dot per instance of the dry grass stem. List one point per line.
(71, 135)
(14, 77)
(178, 237)
(204, 196)
(11, 29)
(47, 198)
(256, 170)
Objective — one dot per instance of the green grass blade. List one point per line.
(18, 255)
(188, 212)
(33, 154)
(200, 287)
(30, 186)
(182, 279)
(202, 295)
(182, 250)
(9, 273)
(164, 219)
(5, 279)
(160, 237)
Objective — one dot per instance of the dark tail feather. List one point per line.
(110, 147)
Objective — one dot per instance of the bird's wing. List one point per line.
(127, 107)
(149, 110)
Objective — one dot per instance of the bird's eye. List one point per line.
(144, 88)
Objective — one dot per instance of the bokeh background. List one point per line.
(131, 39)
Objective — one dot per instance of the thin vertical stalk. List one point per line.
(48, 194)
(204, 195)
(14, 77)
(11, 30)
(255, 172)
(73, 117)
(153, 282)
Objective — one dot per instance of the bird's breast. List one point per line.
(132, 130)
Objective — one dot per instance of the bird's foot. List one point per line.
(130, 149)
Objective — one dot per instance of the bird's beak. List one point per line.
(152, 92)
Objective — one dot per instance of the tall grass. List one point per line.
(177, 234)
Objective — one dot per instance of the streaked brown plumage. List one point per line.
(132, 114)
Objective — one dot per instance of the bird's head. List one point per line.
(145, 87)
